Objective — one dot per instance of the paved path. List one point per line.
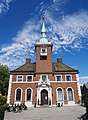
(52, 113)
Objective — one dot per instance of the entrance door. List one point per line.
(44, 97)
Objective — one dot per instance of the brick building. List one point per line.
(44, 82)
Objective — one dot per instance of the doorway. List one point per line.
(44, 97)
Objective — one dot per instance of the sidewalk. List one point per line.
(52, 113)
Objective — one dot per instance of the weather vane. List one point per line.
(43, 18)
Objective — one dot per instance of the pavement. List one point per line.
(47, 113)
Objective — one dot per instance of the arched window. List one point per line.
(70, 94)
(18, 94)
(59, 94)
(28, 98)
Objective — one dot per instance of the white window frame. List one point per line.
(31, 80)
(45, 50)
(43, 53)
(66, 78)
(18, 76)
(26, 94)
(46, 77)
(56, 78)
(62, 93)
(72, 93)
(16, 92)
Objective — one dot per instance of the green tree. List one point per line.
(86, 104)
(4, 79)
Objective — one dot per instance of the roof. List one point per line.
(31, 68)
(61, 67)
(27, 67)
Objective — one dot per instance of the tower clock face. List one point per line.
(43, 50)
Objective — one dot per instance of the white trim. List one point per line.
(42, 53)
(17, 78)
(62, 101)
(26, 93)
(31, 80)
(56, 78)
(15, 95)
(73, 101)
(50, 82)
(43, 75)
(78, 85)
(49, 90)
(9, 89)
(68, 75)
(64, 81)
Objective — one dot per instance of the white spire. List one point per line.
(43, 39)
(43, 26)
(43, 32)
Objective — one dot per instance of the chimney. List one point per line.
(28, 60)
(59, 60)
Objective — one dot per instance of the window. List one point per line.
(18, 95)
(68, 78)
(58, 78)
(29, 78)
(44, 77)
(19, 78)
(70, 94)
(43, 54)
(60, 94)
(43, 57)
(28, 95)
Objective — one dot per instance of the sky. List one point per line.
(66, 24)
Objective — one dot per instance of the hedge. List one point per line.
(2, 111)
(2, 100)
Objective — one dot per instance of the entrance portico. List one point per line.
(44, 95)
(44, 91)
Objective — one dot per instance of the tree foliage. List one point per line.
(4, 79)
(86, 104)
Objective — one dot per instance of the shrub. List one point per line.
(86, 104)
(2, 111)
(3, 100)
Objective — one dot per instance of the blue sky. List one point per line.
(66, 25)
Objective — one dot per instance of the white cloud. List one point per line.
(22, 47)
(70, 32)
(4, 5)
(66, 33)
(83, 79)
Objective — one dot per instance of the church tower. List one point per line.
(43, 53)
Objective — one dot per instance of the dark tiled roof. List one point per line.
(27, 67)
(61, 67)
(31, 67)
